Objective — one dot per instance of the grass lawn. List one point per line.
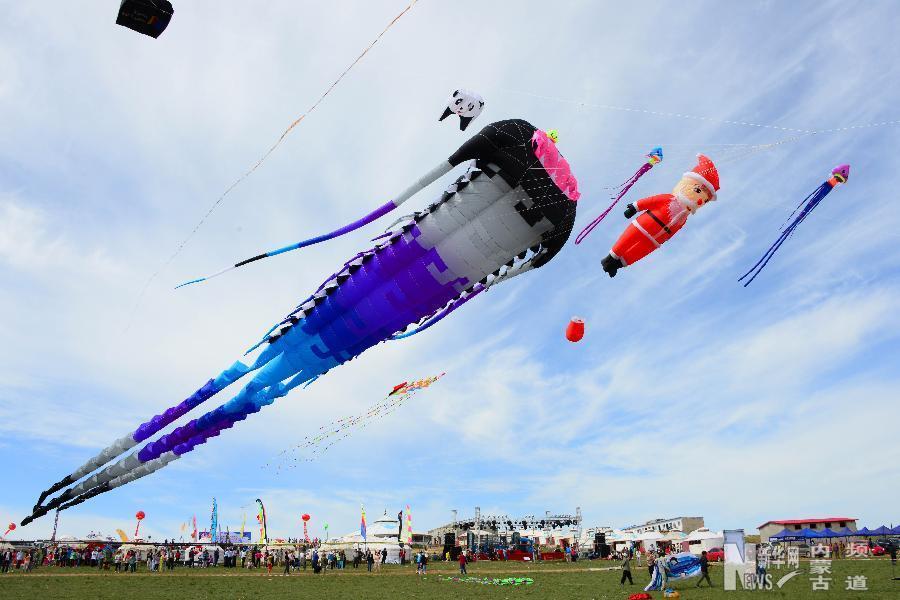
(587, 579)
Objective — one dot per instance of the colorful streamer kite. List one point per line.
(655, 157)
(839, 174)
(490, 580)
(313, 447)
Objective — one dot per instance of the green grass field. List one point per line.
(587, 579)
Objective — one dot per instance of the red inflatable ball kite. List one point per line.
(575, 330)
(305, 518)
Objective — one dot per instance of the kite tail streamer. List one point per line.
(159, 422)
(433, 175)
(839, 174)
(654, 158)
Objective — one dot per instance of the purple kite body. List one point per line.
(505, 216)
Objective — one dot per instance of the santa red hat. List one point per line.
(705, 174)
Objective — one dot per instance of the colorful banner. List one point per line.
(362, 523)
(214, 521)
(261, 517)
(409, 532)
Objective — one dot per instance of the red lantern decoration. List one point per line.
(140, 517)
(575, 330)
(305, 518)
(12, 527)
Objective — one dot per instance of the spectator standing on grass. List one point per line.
(370, 560)
(761, 564)
(132, 562)
(424, 562)
(626, 570)
(704, 569)
(462, 563)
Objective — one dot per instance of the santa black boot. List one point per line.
(611, 264)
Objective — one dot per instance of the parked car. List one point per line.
(715, 555)
(876, 550)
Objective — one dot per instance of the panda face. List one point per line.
(466, 104)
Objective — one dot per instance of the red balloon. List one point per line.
(575, 330)
(140, 515)
(305, 517)
(12, 526)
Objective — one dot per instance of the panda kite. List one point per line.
(466, 104)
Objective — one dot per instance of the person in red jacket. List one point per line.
(462, 563)
(662, 216)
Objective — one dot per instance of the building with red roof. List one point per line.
(770, 528)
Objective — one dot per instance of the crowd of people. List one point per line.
(127, 558)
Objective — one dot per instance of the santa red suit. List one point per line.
(662, 216)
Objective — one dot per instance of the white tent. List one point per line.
(649, 536)
(704, 539)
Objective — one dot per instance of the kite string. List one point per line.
(262, 159)
(705, 118)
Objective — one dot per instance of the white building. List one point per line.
(665, 525)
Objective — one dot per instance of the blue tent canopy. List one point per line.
(863, 531)
(881, 531)
(828, 533)
(808, 533)
(896, 530)
(786, 535)
(845, 532)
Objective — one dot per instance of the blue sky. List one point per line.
(689, 395)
